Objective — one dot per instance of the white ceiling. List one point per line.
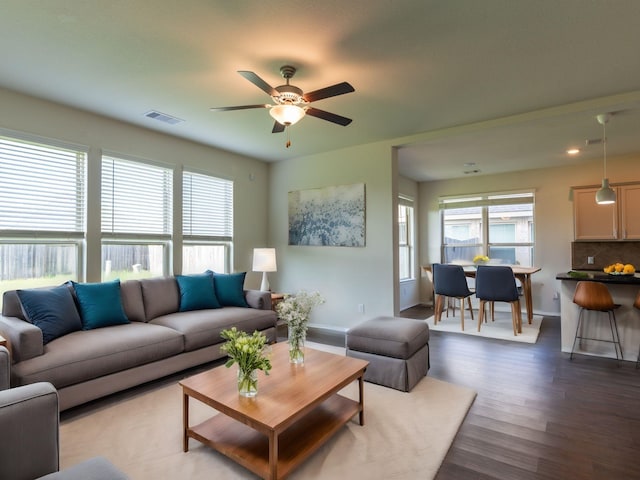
(507, 84)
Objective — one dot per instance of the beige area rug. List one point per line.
(405, 436)
(501, 329)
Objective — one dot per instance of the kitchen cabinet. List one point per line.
(618, 221)
(629, 196)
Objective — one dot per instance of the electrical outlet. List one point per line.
(361, 308)
(590, 260)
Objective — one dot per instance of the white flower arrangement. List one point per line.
(295, 311)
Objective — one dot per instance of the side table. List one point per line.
(276, 298)
(5, 343)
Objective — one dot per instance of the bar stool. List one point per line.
(637, 305)
(594, 296)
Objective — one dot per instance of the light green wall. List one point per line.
(553, 214)
(345, 276)
(37, 117)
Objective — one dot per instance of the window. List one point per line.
(405, 238)
(136, 219)
(207, 215)
(497, 225)
(42, 212)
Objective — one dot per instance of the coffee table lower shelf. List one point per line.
(250, 448)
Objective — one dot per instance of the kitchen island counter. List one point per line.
(598, 276)
(624, 289)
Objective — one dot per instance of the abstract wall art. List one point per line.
(328, 216)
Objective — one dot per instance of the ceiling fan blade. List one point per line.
(277, 128)
(240, 107)
(331, 117)
(258, 82)
(332, 91)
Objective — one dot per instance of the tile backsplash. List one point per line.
(604, 253)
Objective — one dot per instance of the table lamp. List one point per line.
(264, 260)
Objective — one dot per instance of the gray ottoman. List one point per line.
(397, 350)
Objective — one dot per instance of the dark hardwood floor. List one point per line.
(538, 415)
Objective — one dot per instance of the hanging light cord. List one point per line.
(604, 146)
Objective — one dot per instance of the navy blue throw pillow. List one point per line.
(52, 310)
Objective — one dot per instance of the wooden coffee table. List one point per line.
(297, 409)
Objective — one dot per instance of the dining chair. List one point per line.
(449, 281)
(492, 304)
(595, 297)
(498, 284)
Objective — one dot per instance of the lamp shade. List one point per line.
(264, 260)
(286, 114)
(605, 195)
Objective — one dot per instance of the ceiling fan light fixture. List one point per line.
(287, 114)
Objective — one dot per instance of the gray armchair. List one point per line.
(29, 422)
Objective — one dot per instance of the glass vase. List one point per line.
(296, 345)
(247, 382)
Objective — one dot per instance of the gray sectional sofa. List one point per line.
(158, 339)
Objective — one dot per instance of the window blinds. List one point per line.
(207, 207)
(488, 199)
(136, 198)
(42, 187)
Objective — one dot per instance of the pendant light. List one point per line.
(605, 195)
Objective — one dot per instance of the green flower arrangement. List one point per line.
(251, 353)
(295, 311)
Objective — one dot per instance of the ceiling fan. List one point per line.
(291, 103)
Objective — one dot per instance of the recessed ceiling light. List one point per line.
(573, 151)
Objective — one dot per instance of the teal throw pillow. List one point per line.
(100, 304)
(196, 292)
(230, 289)
(52, 310)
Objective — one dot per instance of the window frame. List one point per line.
(133, 238)
(195, 236)
(408, 204)
(65, 160)
(485, 201)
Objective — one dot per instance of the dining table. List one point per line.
(521, 273)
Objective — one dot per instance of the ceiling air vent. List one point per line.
(163, 117)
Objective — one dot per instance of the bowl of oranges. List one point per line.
(620, 269)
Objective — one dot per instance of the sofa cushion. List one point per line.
(88, 354)
(132, 300)
(202, 327)
(230, 289)
(160, 295)
(100, 304)
(196, 292)
(52, 310)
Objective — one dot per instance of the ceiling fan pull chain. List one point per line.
(288, 144)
